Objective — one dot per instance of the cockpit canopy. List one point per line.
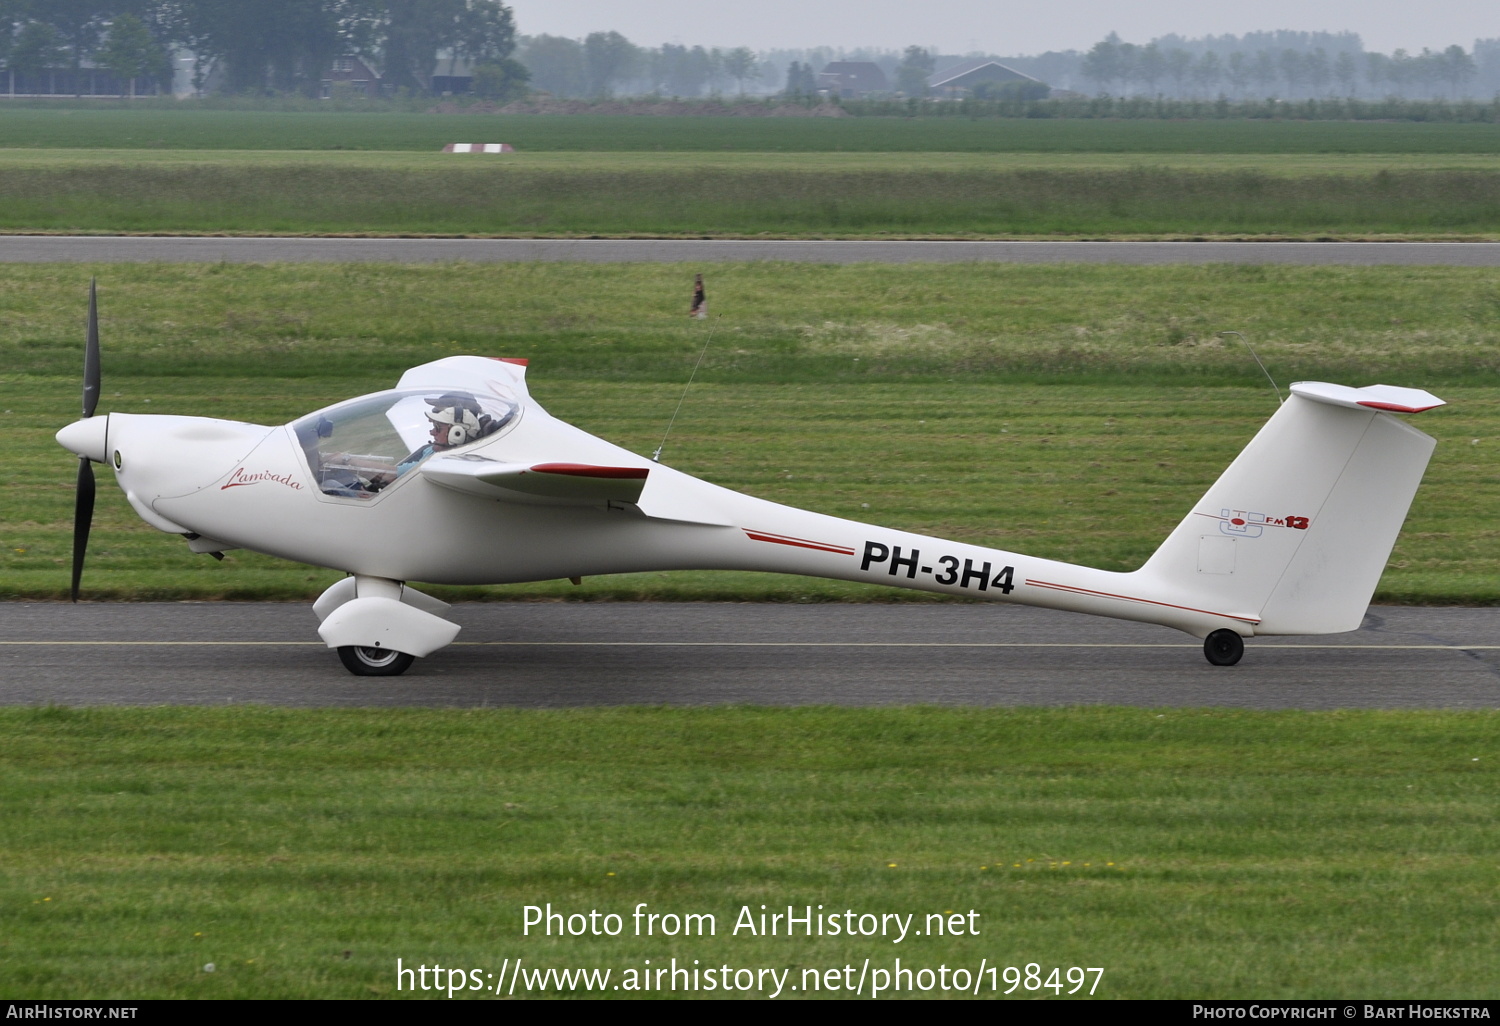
(359, 447)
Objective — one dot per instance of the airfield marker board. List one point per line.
(479, 148)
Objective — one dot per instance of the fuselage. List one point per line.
(254, 487)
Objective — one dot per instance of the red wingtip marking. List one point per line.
(519, 361)
(584, 470)
(1396, 407)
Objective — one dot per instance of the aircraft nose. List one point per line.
(87, 437)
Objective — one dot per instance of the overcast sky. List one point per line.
(1001, 26)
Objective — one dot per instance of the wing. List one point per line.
(547, 462)
(549, 484)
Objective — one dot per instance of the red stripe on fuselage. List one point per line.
(1132, 598)
(800, 543)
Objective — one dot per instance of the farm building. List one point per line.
(966, 77)
(853, 79)
(88, 79)
(451, 76)
(353, 72)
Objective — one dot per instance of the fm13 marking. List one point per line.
(943, 570)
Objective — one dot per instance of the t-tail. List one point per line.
(1295, 534)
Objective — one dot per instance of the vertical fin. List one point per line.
(1298, 529)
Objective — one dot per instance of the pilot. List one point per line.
(456, 420)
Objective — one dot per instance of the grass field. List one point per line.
(265, 130)
(1067, 412)
(153, 170)
(956, 196)
(622, 161)
(1189, 853)
(778, 323)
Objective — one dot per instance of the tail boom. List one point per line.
(788, 540)
(1291, 539)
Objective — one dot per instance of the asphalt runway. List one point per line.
(583, 654)
(115, 249)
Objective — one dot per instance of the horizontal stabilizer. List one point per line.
(567, 484)
(1390, 398)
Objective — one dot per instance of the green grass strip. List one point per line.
(696, 198)
(156, 129)
(1191, 853)
(779, 323)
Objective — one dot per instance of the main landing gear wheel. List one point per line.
(1222, 648)
(374, 662)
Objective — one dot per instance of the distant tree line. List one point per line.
(289, 46)
(606, 64)
(1076, 106)
(1282, 65)
(1287, 66)
(256, 46)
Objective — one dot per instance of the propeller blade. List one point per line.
(91, 356)
(83, 515)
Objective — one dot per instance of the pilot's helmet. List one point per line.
(460, 415)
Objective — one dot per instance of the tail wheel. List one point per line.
(374, 662)
(1223, 647)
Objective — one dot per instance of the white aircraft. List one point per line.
(456, 476)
